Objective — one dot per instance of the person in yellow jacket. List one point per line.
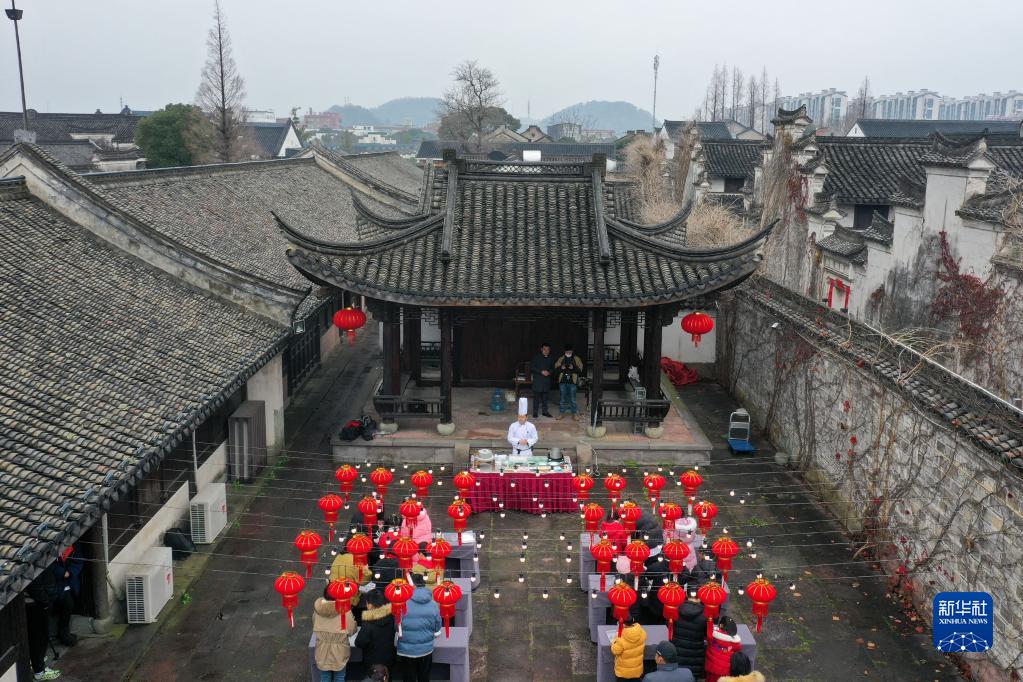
(344, 567)
(628, 651)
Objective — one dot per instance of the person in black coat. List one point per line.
(39, 596)
(650, 528)
(542, 369)
(67, 571)
(376, 637)
(689, 636)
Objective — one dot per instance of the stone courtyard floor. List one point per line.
(838, 623)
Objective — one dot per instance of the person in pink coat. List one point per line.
(423, 532)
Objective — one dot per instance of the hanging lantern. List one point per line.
(593, 514)
(369, 508)
(621, 597)
(638, 552)
(672, 596)
(705, 512)
(330, 504)
(459, 511)
(653, 483)
(308, 543)
(289, 584)
(464, 483)
(762, 592)
(342, 592)
(346, 475)
(440, 550)
(582, 483)
(359, 546)
(348, 320)
(405, 548)
(697, 324)
(675, 551)
(422, 480)
(670, 512)
(725, 549)
(630, 513)
(381, 478)
(409, 510)
(691, 482)
(712, 596)
(614, 484)
(447, 595)
(398, 592)
(603, 553)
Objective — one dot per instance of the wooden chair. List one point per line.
(523, 378)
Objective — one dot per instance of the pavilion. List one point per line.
(506, 254)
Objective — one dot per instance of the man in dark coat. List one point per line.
(67, 571)
(690, 631)
(542, 369)
(376, 637)
(38, 604)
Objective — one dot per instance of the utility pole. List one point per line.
(657, 64)
(15, 14)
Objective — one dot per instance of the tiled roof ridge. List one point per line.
(689, 254)
(789, 115)
(367, 213)
(203, 169)
(347, 166)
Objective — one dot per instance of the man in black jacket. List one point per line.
(376, 637)
(39, 596)
(542, 369)
(689, 636)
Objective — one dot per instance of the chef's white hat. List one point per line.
(523, 406)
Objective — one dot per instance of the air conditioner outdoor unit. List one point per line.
(149, 585)
(208, 513)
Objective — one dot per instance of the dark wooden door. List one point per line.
(490, 347)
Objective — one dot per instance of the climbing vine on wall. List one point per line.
(964, 299)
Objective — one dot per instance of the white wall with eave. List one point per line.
(268, 385)
(329, 340)
(213, 469)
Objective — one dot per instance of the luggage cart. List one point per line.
(739, 425)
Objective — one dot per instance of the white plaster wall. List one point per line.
(268, 385)
(291, 141)
(329, 340)
(430, 332)
(172, 514)
(678, 345)
(213, 469)
(975, 243)
(716, 184)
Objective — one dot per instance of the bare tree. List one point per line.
(753, 94)
(864, 96)
(763, 100)
(737, 93)
(475, 94)
(220, 94)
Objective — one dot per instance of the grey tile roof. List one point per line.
(713, 130)
(583, 151)
(108, 363)
(59, 127)
(75, 154)
(732, 158)
(846, 242)
(384, 171)
(879, 127)
(519, 237)
(269, 137)
(868, 170)
(991, 205)
(880, 230)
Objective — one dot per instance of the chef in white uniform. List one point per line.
(522, 435)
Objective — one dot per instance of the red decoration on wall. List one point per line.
(447, 595)
(697, 324)
(422, 480)
(725, 549)
(762, 592)
(672, 596)
(308, 543)
(459, 511)
(381, 478)
(349, 320)
(289, 584)
(346, 475)
(712, 596)
(621, 597)
(330, 504)
(342, 592)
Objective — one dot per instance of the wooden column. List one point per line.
(626, 347)
(446, 366)
(392, 350)
(597, 388)
(412, 337)
(651, 373)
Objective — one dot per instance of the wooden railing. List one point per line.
(391, 407)
(632, 410)
(612, 354)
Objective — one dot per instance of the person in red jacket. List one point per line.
(723, 643)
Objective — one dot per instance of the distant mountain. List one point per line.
(419, 110)
(601, 114)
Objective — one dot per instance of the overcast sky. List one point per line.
(81, 55)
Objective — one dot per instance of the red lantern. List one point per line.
(464, 482)
(582, 483)
(670, 513)
(346, 475)
(621, 597)
(359, 546)
(369, 508)
(422, 480)
(630, 513)
(398, 592)
(381, 478)
(342, 592)
(691, 482)
(410, 510)
(439, 551)
(675, 551)
(447, 595)
(308, 543)
(712, 596)
(762, 592)
(603, 553)
(705, 512)
(653, 484)
(615, 484)
(593, 514)
(459, 511)
(405, 548)
(348, 320)
(672, 596)
(330, 504)
(638, 552)
(289, 584)
(725, 549)
(697, 324)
